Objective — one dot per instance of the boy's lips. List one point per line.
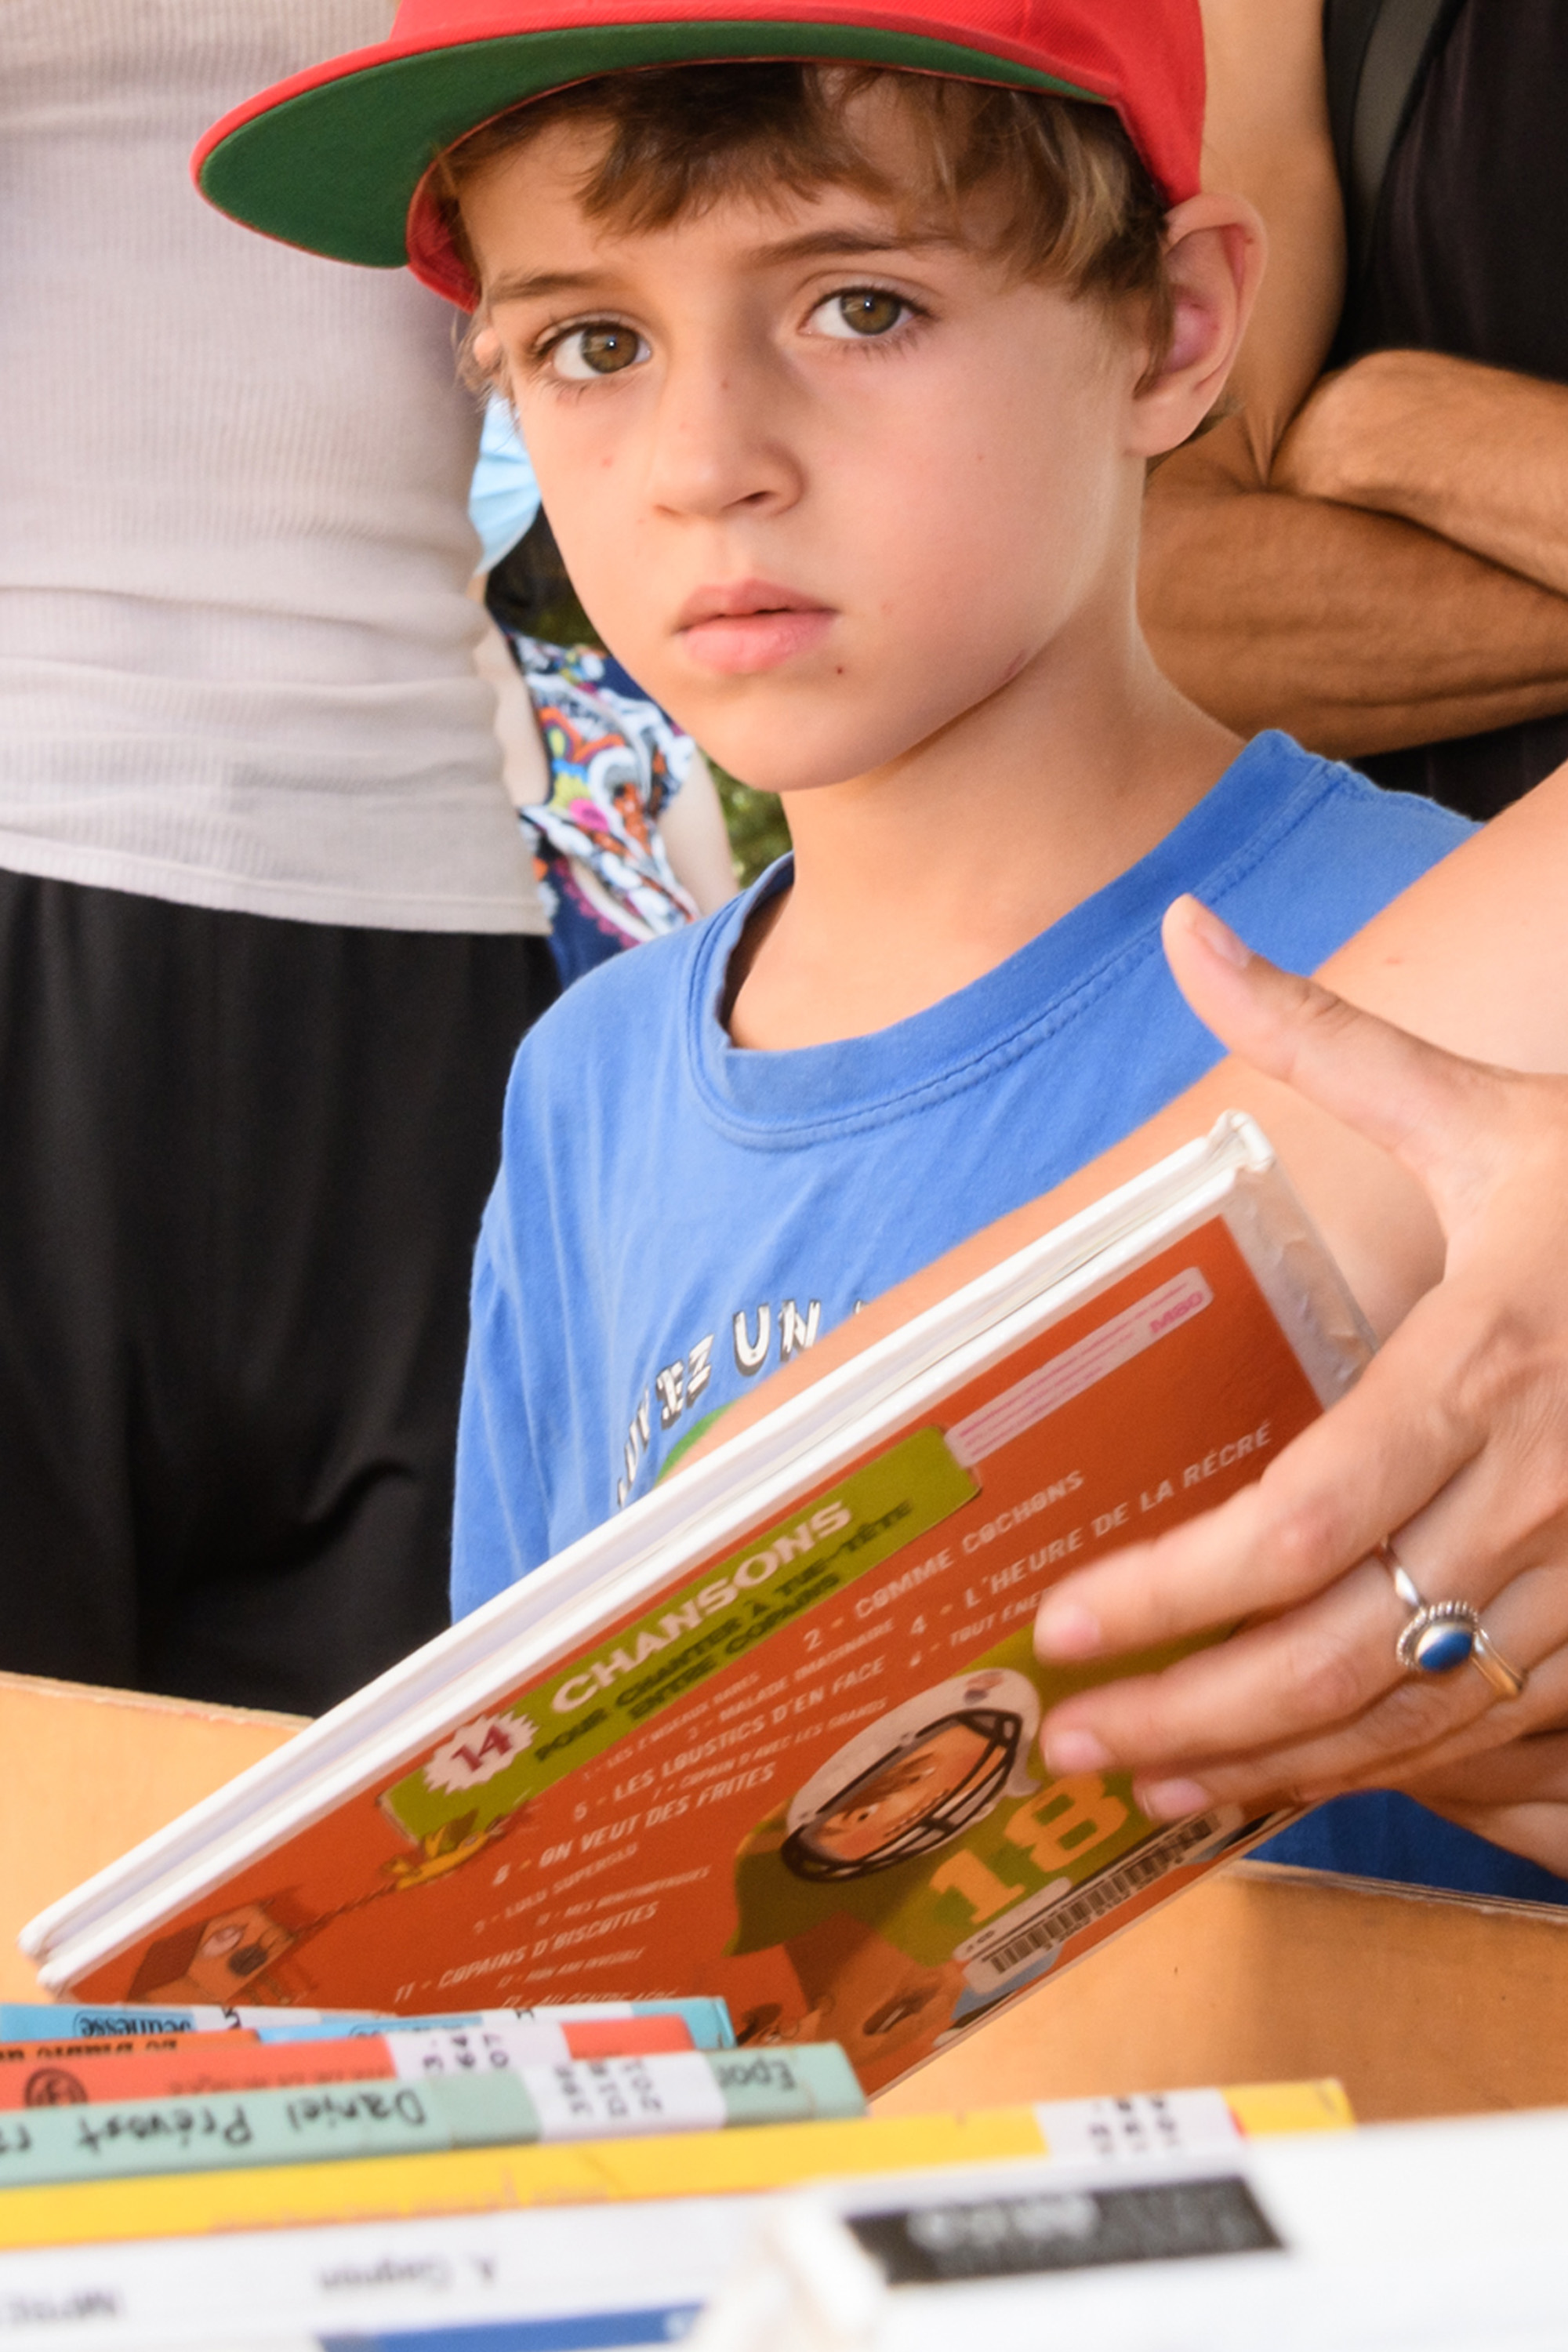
(750, 626)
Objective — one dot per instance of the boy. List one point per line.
(841, 379)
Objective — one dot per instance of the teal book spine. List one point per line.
(134, 2138)
(707, 2020)
(577, 2099)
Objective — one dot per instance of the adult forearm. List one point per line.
(1358, 632)
(1477, 454)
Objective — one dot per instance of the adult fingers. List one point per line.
(1318, 1692)
(1325, 1663)
(1417, 1725)
(1279, 1546)
(1523, 1617)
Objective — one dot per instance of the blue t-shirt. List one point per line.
(675, 1217)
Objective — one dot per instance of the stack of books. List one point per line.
(276, 2089)
(516, 2183)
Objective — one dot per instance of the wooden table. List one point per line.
(1420, 2005)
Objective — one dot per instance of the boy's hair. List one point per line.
(1076, 205)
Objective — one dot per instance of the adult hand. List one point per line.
(1453, 1447)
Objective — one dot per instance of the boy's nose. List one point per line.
(721, 442)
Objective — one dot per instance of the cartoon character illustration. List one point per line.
(917, 1778)
(441, 1851)
(453, 1808)
(471, 1790)
(225, 1956)
(924, 1827)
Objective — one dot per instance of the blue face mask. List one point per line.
(503, 496)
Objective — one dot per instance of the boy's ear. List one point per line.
(1215, 251)
(486, 356)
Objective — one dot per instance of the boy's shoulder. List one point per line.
(1279, 768)
(1304, 824)
(625, 997)
(630, 1011)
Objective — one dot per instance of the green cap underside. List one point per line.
(334, 170)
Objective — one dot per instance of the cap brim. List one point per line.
(331, 160)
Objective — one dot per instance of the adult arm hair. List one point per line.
(1293, 574)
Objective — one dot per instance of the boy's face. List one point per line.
(825, 480)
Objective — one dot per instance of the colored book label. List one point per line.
(486, 1769)
(199, 2065)
(578, 2099)
(624, 2094)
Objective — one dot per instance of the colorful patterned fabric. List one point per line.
(616, 761)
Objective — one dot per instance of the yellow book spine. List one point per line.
(485, 2180)
(498, 2179)
(1264, 2110)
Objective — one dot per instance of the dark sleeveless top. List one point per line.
(1469, 257)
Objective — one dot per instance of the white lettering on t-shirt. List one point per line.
(677, 1384)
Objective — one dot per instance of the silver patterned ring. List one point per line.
(1440, 1636)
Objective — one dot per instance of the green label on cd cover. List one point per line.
(488, 1767)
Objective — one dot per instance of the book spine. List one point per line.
(131, 2046)
(577, 2099)
(707, 2020)
(203, 2065)
(706, 2017)
(474, 2180)
(575, 2037)
(189, 2067)
(122, 2140)
(35, 2020)
(705, 2091)
(69, 2021)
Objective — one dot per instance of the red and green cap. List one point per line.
(337, 159)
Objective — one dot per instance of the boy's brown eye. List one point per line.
(870, 310)
(859, 314)
(605, 348)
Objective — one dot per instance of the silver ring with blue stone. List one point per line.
(1439, 1636)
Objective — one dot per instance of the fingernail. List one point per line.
(1076, 1751)
(1065, 1629)
(1171, 1800)
(1217, 937)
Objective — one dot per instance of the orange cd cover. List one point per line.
(790, 1755)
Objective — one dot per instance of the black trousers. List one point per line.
(242, 1164)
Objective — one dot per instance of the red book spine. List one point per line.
(194, 2066)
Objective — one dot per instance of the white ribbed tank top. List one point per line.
(236, 650)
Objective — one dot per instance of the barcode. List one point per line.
(1103, 1894)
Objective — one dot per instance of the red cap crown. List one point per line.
(336, 159)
